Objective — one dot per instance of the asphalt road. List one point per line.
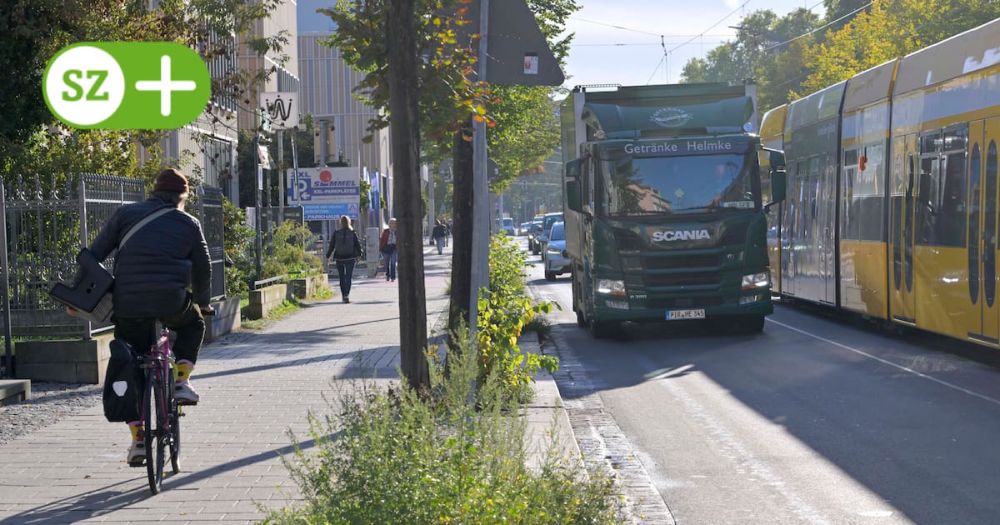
(817, 420)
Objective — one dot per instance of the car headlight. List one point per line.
(611, 287)
(553, 251)
(756, 280)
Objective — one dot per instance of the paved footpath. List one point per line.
(255, 387)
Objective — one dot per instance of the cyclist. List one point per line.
(163, 273)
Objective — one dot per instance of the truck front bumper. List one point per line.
(620, 309)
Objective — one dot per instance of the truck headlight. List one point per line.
(756, 280)
(611, 287)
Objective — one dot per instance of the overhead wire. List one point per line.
(820, 28)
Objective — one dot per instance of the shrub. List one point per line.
(504, 311)
(239, 240)
(399, 457)
(288, 254)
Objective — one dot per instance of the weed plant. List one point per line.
(454, 454)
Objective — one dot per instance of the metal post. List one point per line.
(281, 174)
(84, 236)
(480, 187)
(8, 338)
(259, 241)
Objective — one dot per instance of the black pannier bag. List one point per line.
(122, 383)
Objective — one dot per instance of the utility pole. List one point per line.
(480, 185)
(403, 107)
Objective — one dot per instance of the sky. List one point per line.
(593, 61)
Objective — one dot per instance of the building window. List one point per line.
(218, 161)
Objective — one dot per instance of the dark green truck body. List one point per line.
(663, 206)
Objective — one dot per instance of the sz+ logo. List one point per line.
(126, 85)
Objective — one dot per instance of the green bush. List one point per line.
(239, 239)
(454, 456)
(288, 254)
(504, 311)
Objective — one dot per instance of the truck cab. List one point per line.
(664, 210)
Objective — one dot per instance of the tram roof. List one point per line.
(870, 86)
(815, 108)
(973, 50)
(773, 125)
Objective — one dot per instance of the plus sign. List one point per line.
(165, 85)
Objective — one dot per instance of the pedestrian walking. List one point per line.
(345, 249)
(439, 234)
(387, 245)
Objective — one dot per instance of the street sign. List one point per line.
(519, 55)
(324, 186)
(282, 107)
(330, 212)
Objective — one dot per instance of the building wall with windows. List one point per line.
(282, 66)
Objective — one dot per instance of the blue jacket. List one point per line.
(159, 263)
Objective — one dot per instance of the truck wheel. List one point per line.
(604, 329)
(550, 276)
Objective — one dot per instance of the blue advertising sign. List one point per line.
(324, 186)
(329, 212)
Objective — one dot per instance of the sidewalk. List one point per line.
(255, 386)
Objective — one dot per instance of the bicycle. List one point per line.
(158, 399)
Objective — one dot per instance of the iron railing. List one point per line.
(45, 221)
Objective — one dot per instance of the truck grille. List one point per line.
(667, 303)
(681, 279)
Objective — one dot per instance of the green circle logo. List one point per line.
(126, 85)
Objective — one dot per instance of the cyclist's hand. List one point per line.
(207, 310)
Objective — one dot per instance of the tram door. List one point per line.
(902, 211)
(983, 229)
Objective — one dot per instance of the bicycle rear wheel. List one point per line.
(155, 429)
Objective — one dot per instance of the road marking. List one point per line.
(890, 363)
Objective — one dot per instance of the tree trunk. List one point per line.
(405, 133)
(461, 258)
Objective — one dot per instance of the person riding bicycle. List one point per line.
(163, 273)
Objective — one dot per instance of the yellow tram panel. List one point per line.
(863, 273)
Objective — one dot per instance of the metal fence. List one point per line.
(44, 232)
(208, 209)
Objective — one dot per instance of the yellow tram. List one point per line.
(892, 190)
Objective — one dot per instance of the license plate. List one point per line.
(676, 315)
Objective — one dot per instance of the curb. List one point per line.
(547, 422)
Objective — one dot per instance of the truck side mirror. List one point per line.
(779, 184)
(574, 195)
(779, 177)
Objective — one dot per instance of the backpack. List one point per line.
(122, 383)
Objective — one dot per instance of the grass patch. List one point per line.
(454, 455)
(279, 312)
(540, 325)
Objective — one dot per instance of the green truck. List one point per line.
(666, 206)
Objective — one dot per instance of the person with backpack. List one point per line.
(163, 273)
(345, 247)
(387, 245)
(439, 234)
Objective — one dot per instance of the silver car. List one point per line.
(554, 258)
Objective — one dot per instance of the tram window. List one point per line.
(951, 223)
(930, 143)
(863, 192)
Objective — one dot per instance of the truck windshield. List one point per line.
(686, 184)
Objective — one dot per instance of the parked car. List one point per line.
(555, 260)
(522, 230)
(547, 222)
(507, 226)
(534, 230)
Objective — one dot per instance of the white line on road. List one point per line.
(890, 363)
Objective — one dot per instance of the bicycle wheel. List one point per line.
(154, 431)
(175, 425)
